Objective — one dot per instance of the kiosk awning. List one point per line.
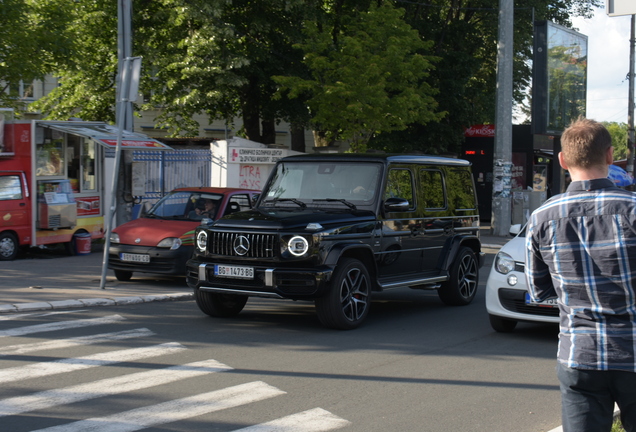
(106, 135)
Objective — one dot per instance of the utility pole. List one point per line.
(630, 99)
(502, 164)
(123, 106)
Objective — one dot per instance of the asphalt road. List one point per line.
(415, 365)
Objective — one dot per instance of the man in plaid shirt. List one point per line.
(581, 248)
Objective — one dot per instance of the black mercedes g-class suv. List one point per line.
(333, 228)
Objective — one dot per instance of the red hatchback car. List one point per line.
(161, 240)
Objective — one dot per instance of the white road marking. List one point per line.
(39, 314)
(71, 342)
(171, 411)
(62, 325)
(108, 387)
(37, 370)
(314, 420)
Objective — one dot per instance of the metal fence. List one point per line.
(168, 170)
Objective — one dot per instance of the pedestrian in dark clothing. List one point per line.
(581, 248)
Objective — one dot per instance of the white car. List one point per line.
(507, 299)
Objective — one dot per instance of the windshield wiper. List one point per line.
(294, 200)
(344, 201)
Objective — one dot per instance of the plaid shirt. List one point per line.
(581, 247)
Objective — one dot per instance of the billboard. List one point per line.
(559, 77)
(620, 7)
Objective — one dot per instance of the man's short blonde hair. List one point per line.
(584, 143)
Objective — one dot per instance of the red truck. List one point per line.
(53, 178)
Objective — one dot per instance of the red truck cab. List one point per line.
(15, 213)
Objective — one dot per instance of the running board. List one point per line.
(434, 283)
(240, 292)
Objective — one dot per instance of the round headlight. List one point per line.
(202, 240)
(114, 237)
(298, 245)
(170, 242)
(504, 263)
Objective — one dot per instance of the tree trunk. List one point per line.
(269, 132)
(298, 138)
(251, 111)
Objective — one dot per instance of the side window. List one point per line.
(10, 188)
(433, 189)
(400, 185)
(238, 203)
(461, 190)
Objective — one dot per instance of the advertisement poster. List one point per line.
(88, 206)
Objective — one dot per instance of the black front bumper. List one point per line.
(162, 261)
(273, 282)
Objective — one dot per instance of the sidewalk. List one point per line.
(50, 279)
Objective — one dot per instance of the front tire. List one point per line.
(347, 303)
(8, 247)
(461, 288)
(502, 325)
(123, 275)
(219, 305)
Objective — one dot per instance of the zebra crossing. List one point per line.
(142, 417)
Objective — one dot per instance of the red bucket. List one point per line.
(82, 243)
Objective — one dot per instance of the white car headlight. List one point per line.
(170, 242)
(298, 245)
(114, 238)
(202, 241)
(504, 263)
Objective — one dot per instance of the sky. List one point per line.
(608, 66)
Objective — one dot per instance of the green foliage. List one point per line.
(366, 76)
(360, 71)
(217, 57)
(34, 37)
(87, 75)
(465, 33)
(618, 131)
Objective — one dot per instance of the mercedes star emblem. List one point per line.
(241, 245)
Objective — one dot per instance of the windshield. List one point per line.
(321, 184)
(186, 205)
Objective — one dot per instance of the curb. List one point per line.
(80, 303)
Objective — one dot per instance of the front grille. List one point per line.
(514, 300)
(520, 267)
(260, 245)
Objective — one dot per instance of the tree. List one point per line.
(33, 35)
(366, 77)
(199, 56)
(219, 56)
(465, 39)
(618, 131)
(87, 75)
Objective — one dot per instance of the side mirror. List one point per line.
(514, 229)
(396, 205)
